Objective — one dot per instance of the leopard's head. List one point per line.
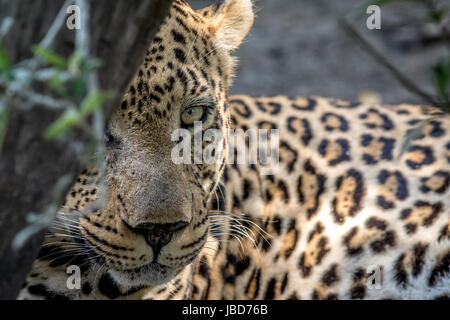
(155, 220)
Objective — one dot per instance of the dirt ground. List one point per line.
(297, 48)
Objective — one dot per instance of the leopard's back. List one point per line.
(356, 209)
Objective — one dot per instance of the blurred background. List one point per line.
(296, 47)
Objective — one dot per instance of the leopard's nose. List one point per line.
(158, 235)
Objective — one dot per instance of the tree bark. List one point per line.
(120, 32)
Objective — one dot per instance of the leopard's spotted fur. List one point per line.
(346, 209)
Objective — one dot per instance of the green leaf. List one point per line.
(91, 64)
(50, 57)
(73, 117)
(57, 82)
(89, 150)
(78, 88)
(77, 64)
(441, 75)
(93, 101)
(436, 15)
(4, 117)
(60, 127)
(5, 62)
(74, 63)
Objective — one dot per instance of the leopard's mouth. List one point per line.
(150, 274)
(137, 262)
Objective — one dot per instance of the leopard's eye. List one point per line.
(192, 114)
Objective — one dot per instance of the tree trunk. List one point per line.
(120, 32)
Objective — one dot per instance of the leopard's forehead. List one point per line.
(182, 65)
(183, 37)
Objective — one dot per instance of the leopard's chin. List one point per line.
(151, 274)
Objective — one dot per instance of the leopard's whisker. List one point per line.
(61, 235)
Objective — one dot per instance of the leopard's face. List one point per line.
(155, 220)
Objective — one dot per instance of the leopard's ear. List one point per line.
(229, 22)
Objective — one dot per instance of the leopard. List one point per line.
(357, 206)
